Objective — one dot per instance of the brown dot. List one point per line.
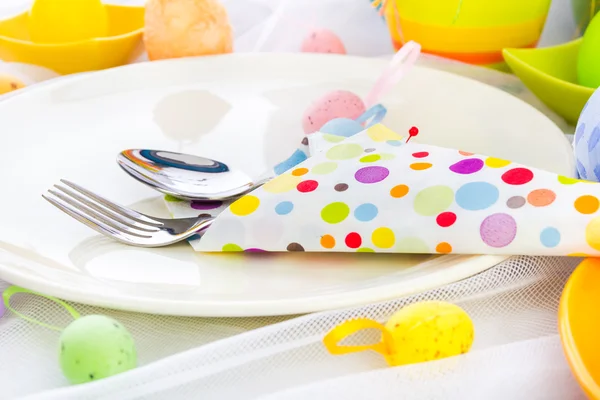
(341, 187)
(516, 202)
(13, 85)
(369, 150)
(295, 247)
(305, 141)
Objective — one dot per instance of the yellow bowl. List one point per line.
(122, 45)
(551, 74)
(579, 325)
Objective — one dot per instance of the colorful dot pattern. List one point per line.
(417, 198)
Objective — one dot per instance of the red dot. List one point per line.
(446, 219)
(353, 240)
(517, 176)
(307, 186)
(414, 131)
(421, 154)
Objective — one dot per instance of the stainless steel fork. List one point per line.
(120, 223)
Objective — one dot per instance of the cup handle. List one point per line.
(342, 331)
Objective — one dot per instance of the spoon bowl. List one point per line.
(185, 176)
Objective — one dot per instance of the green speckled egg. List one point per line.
(95, 347)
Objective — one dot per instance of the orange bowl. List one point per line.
(579, 325)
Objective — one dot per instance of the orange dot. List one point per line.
(465, 153)
(420, 166)
(587, 204)
(328, 241)
(399, 191)
(541, 197)
(299, 171)
(443, 248)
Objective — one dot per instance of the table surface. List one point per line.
(29, 362)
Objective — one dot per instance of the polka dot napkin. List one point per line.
(374, 192)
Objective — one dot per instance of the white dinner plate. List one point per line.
(244, 110)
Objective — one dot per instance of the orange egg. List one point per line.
(186, 28)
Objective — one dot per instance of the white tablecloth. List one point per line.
(192, 357)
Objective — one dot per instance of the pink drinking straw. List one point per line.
(401, 63)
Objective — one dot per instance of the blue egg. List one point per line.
(342, 127)
(586, 143)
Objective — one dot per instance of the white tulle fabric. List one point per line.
(517, 352)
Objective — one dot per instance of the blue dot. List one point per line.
(477, 196)
(550, 237)
(284, 208)
(396, 143)
(365, 212)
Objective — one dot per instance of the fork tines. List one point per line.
(101, 214)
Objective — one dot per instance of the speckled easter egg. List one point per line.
(95, 347)
(587, 140)
(323, 41)
(186, 28)
(336, 104)
(8, 83)
(429, 330)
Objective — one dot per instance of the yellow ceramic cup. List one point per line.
(122, 45)
(472, 31)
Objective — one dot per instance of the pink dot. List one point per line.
(371, 174)
(498, 230)
(468, 166)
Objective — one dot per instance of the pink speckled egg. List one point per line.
(323, 41)
(336, 104)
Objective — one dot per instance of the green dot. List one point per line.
(387, 156)
(365, 250)
(324, 168)
(335, 213)
(412, 245)
(370, 158)
(332, 138)
(170, 198)
(232, 247)
(344, 151)
(433, 200)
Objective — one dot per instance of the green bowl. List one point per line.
(551, 74)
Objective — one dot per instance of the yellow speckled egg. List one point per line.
(186, 28)
(428, 331)
(9, 83)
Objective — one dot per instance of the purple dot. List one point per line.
(468, 166)
(206, 205)
(255, 250)
(371, 174)
(498, 230)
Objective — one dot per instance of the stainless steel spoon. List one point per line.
(185, 176)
